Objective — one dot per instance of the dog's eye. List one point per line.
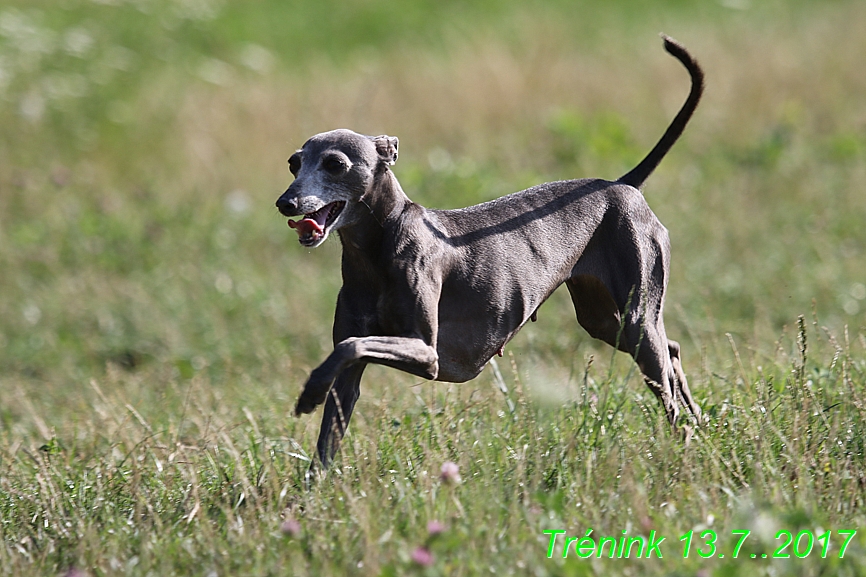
(295, 164)
(334, 164)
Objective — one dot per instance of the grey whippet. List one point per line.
(437, 293)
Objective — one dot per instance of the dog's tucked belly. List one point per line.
(475, 322)
(457, 366)
(464, 348)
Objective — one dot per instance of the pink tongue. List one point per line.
(308, 225)
(305, 226)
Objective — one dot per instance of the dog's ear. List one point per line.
(386, 146)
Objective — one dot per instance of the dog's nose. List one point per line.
(287, 206)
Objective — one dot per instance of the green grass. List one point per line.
(157, 318)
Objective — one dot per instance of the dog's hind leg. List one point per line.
(682, 385)
(595, 308)
(649, 348)
(646, 342)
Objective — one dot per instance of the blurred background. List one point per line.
(144, 142)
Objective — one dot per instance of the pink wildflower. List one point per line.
(450, 473)
(291, 527)
(434, 528)
(422, 556)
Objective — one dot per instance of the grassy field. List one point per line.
(157, 318)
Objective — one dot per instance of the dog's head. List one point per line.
(333, 171)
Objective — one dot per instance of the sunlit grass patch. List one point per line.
(205, 480)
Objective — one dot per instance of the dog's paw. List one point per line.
(315, 393)
(686, 433)
(307, 402)
(305, 406)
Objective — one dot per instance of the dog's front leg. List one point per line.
(338, 412)
(409, 354)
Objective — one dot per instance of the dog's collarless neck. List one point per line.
(385, 199)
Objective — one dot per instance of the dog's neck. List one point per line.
(384, 202)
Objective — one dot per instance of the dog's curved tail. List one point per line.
(636, 176)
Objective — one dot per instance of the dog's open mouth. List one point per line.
(314, 225)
